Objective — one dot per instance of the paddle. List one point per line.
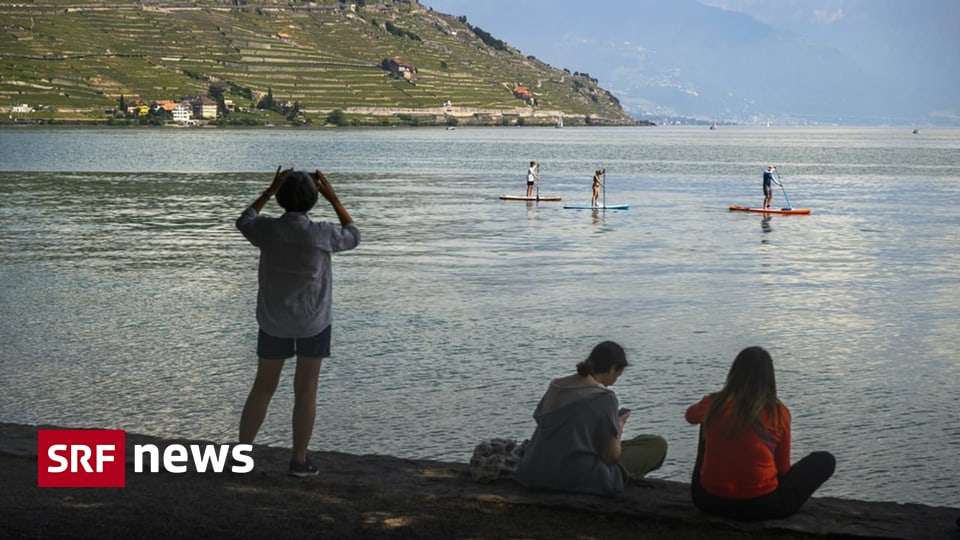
(538, 181)
(780, 181)
(604, 184)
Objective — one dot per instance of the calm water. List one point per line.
(128, 297)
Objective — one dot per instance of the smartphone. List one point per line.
(623, 411)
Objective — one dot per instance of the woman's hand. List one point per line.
(324, 186)
(278, 178)
(325, 189)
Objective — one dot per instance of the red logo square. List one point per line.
(81, 458)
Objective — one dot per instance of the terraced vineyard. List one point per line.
(77, 58)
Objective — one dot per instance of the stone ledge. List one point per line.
(658, 500)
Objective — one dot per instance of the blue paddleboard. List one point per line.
(589, 207)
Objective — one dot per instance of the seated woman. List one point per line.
(576, 446)
(743, 467)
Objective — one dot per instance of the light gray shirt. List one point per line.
(573, 426)
(295, 275)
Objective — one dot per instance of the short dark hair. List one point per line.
(298, 192)
(605, 355)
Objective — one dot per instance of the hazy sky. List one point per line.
(881, 58)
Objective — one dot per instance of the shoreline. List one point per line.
(376, 495)
(309, 127)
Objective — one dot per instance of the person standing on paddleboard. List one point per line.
(769, 178)
(595, 196)
(533, 175)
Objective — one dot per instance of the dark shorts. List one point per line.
(767, 189)
(275, 348)
(529, 183)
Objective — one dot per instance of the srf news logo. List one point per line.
(96, 458)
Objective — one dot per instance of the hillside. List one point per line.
(73, 60)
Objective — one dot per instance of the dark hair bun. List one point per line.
(584, 368)
(603, 357)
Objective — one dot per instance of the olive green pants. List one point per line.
(642, 454)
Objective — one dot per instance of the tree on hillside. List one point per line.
(122, 104)
(294, 111)
(337, 117)
(216, 91)
(267, 103)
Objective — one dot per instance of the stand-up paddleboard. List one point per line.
(548, 198)
(598, 207)
(791, 211)
(603, 206)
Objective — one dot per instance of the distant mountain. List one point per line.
(74, 59)
(684, 57)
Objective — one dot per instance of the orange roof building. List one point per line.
(165, 104)
(522, 92)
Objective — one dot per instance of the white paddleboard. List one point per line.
(541, 198)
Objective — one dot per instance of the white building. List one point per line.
(182, 113)
(22, 108)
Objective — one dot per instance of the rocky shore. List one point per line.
(383, 496)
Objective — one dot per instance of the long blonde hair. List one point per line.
(750, 390)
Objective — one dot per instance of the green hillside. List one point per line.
(76, 58)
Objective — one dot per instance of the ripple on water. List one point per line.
(458, 308)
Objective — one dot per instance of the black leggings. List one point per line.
(795, 488)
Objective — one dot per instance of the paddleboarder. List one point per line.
(595, 197)
(769, 178)
(533, 175)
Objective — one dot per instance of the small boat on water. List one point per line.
(559, 122)
(916, 131)
(713, 126)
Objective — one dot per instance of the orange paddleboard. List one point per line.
(793, 211)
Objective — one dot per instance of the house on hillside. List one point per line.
(204, 108)
(400, 69)
(283, 35)
(165, 105)
(524, 94)
(183, 112)
(138, 109)
(23, 108)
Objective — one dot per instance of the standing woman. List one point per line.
(577, 444)
(595, 196)
(294, 299)
(533, 175)
(743, 466)
(769, 178)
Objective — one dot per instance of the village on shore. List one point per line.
(215, 109)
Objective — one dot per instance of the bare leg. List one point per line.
(255, 409)
(305, 404)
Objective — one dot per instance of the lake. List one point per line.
(128, 296)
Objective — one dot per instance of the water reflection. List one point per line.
(135, 310)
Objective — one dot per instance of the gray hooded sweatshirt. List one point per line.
(564, 453)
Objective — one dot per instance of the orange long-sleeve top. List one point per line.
(748, 464)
